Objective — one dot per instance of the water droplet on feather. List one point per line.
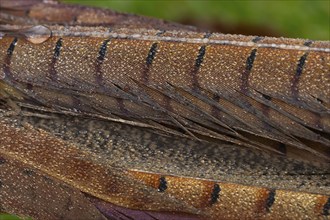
(37, 34)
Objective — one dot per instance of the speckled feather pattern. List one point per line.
(122, 116)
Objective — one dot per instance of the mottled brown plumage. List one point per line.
(158, 118)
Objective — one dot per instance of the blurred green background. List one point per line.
(12, 217)
(298, 19)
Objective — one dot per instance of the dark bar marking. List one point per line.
(200, 57)
(57, 51)
(198, 62)
(320, 100)
(248, 67)
(160, 33)
(99, 61)
(308, 43)
(300, 68)
(215, 194)
(267, 97)
(326, 208)
(250, 60)
(301, 64)
(150, 58)
(207, 35)
(270, 199)
(151, 54)
(1, 184)
(7, 61)
(57, 48)
(103, 50)
(12, 47)
(162, 184)
(257, 39)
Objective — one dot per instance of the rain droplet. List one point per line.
(37, 34)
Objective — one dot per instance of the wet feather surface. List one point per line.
(161, 121)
